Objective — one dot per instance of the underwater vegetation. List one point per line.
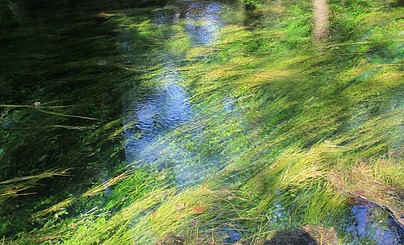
(201, 122)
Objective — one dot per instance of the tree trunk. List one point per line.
(321, 18)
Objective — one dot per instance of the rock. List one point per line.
(322, 235)
(171, 239)
(291, 237)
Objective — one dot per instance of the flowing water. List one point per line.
(166, 104)
(160, 104)
(143, 112)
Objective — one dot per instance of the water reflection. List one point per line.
(161, 104)
(153, 112)
(369, 221)
(166, 16)
(203, 21)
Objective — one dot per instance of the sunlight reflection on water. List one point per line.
(162, 109)
(161, 104)
(203, 21)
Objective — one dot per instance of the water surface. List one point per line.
(161, 103)
(96, 88)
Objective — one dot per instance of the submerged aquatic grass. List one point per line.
(287, 131)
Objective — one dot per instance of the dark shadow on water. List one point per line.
(291, 237)
(59, 54)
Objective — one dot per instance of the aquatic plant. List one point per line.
(287, 134)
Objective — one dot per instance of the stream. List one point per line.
(161, 104)
(93, 93)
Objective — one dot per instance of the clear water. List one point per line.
(156, 109)
(161, 103)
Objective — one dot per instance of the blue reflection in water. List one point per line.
(165, 16)
(154, 112)
(369, 221)
(161, 104)
(203, 22)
